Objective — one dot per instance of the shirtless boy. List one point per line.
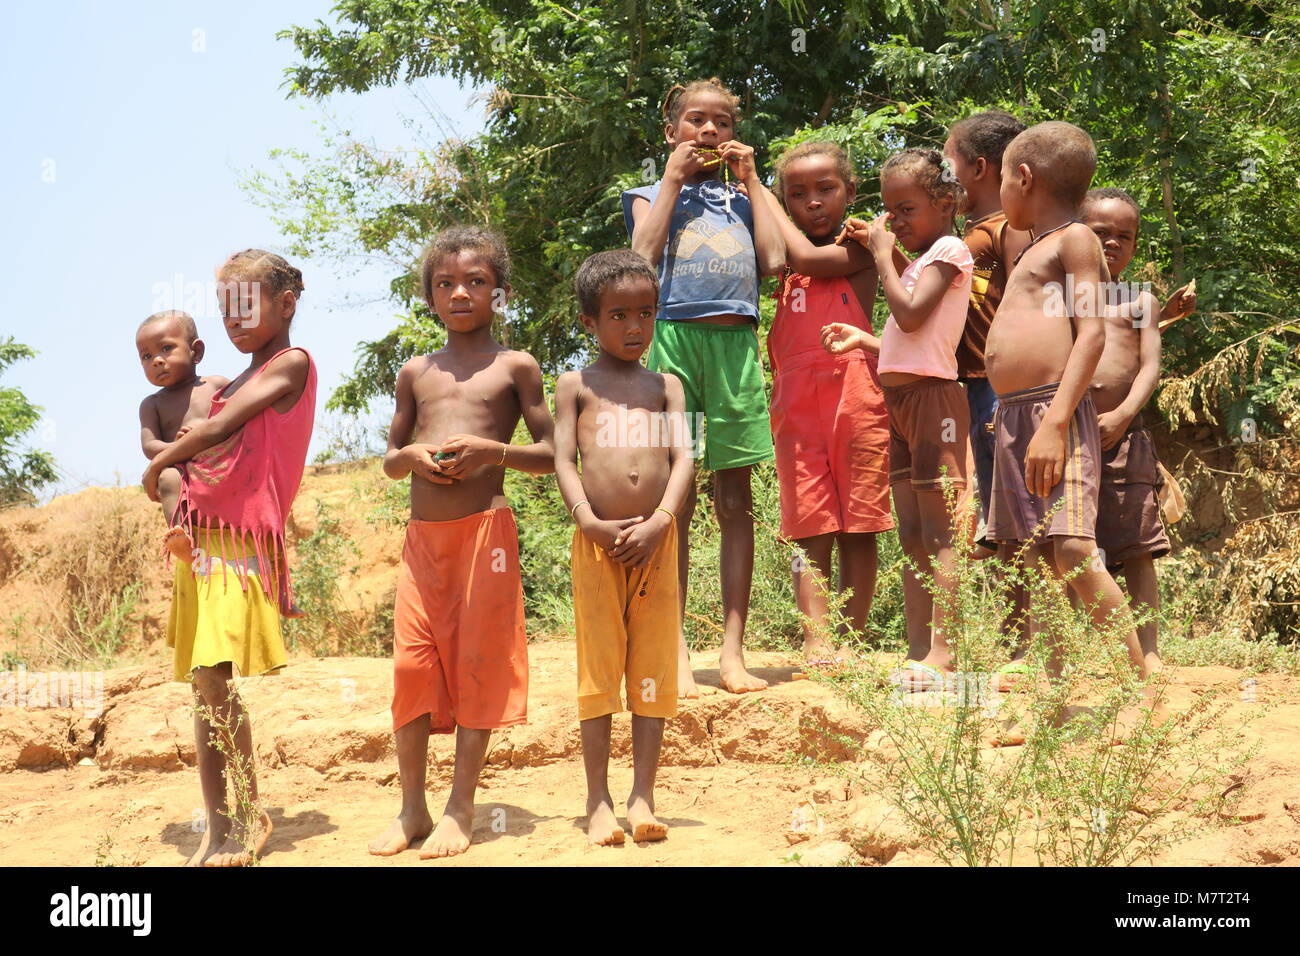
(974, 148)
(170, 350)
(1129, 531)
(1042, 352)
(628, 425)
(459, 651)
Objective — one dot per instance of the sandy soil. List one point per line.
(734, 782)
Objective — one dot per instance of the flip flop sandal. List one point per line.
(1018, 668)
(935, 676)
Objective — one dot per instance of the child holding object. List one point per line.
(245, 464)
(627, 426)
(928, 415)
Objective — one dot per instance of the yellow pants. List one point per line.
(220, 611)
(627, 624)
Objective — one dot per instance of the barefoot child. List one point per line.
(928, 415)
(1130, 533)
(628, 426)
(711, 246)
(1042, 352)
(828, 412)
(170, 350)
(245, 464)
(460, 656)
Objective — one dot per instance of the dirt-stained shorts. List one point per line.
(627, 627)
(928, 425)
(460, 653)
(1015, 513)
(1128, 509)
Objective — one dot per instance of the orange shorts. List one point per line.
(627, 624)
(832, 446)
(460, 653)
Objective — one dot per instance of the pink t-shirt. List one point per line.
(932, 349)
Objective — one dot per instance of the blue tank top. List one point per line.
(708, 267)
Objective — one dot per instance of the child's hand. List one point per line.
(150, 482)
(604, 533)
(683, 163)
(880, 241)
(855, 230)
(840, 337)
(635, 544)
(181, 433)
(740, 158)
(471, 451)
(1045, 459)
(1112, 425)
(421, 461)
(1181, 304)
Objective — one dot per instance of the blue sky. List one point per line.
(125, 144)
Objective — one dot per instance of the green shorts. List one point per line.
(723, 378)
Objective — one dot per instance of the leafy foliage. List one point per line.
(23, 471)
(1191, 105)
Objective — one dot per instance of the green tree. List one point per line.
(573, 119)
(1191, 104)
(23, 471)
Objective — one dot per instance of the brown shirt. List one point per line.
(984, 238)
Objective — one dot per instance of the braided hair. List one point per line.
(926, 168)
(265, 267)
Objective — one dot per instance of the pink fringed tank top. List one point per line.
(246, 484)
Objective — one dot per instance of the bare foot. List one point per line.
(686, 687)
(177, 541)
(293, 612)
(1004, 734)
(602, 826)
(641, 818)
(235, 850)
(817, 649)
(733, 677)
(213, 837)
(450, 837)
(401, 833)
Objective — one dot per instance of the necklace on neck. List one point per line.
(1042, 235)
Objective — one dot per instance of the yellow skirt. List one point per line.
(220, 611)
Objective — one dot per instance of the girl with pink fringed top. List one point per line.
(242, 468)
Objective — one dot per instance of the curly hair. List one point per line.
(486, 242)
(816, 147)
(603, 269)
(1111, 192)
(926, 168)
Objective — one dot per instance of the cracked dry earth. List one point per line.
(122, 787)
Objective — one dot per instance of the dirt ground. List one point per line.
(120, 787)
